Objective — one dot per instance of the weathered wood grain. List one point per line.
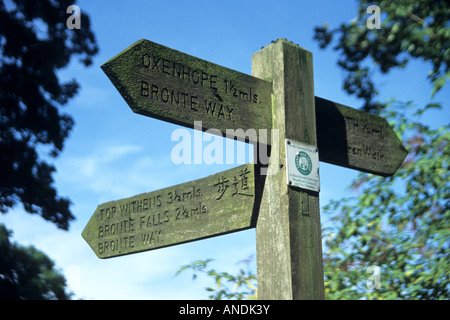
(215, 205)
(288, 231)
(355, 139)
(172, 86)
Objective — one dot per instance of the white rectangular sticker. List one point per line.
(302, 162)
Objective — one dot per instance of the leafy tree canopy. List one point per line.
(241, 286)
(409, 30)
(27, 273)
(34, 44)
(399, 224)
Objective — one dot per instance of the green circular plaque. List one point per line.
(303, 163)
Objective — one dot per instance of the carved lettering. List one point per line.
(360, 126)
(175, 196)
(152, 238)
(181, 213)
(117, 245)
(177, 70)
(370, 152)
(152, 220)
(140, 205)
(185, 212)
(238, 184)
(169, 96)
(112, 229)
(212, 104)
(247, 94)
(107, 213)
(216, 109)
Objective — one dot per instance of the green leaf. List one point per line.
(439, 83)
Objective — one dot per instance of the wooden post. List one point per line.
(166, 84)
(288, 231)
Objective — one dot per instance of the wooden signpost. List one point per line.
(163, 83)
(356, 139)
(211, 206)
(169, 85)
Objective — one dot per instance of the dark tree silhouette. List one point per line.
(409, 30)
(399, 224)
(27, 273)
(34, 44)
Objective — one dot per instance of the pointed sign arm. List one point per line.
(356, 139)
(169, 85)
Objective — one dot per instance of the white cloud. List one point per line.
(89, 165)
(105, 171)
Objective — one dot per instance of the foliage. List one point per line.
(244, 283)
(400, 224)
(409, 29)
(34, 43)
(27, 273)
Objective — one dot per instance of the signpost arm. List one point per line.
(288, 231)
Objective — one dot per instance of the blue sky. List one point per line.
(113, 153)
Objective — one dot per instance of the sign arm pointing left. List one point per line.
(218, 204)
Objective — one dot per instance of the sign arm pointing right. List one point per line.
(356, 139)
